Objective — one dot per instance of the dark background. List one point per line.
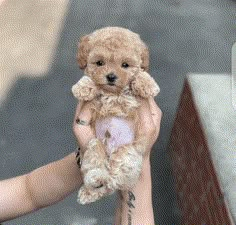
(183, 37)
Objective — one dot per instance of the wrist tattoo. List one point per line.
(78, 157)
(130, 203)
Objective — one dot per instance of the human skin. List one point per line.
(135, 206)
(51, 183)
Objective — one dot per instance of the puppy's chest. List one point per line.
(121, 106)
(114, 132)
(114, 120)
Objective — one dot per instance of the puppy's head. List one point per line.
(112, 56)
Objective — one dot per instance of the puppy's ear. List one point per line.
(145, 58)
(83, 52)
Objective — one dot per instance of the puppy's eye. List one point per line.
(125, 65)
(100, 63)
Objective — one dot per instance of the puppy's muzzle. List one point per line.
(111, 78)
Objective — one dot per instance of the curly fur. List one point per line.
(85, 89)
(104, 52)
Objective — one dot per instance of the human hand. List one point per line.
(135, 206)
(149, 122)
(81, 125)
(149, 116)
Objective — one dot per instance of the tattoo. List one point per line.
(130, 203)
(129, 219)
(78, 158)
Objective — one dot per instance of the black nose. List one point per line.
(111, 77)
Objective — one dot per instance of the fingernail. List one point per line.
(81, 122)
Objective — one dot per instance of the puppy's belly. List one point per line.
(114, 132)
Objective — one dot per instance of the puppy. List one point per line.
(115, 62)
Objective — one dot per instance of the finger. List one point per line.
(144, 112)
(153, 106)
(83, 135)
(77, 111)
(155, 112)
(83, 114)
(82, 130)
(145, 118)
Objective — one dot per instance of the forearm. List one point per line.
(40, 188)
(14, 199)
(136, 204)
(53, 182)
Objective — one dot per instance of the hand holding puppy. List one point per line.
(149, 113)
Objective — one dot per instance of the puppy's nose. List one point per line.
(111, 77)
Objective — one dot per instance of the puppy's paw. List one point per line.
(96, 178)
(87, 195)
(85, 89)
(144, 85)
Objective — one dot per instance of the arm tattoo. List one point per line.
(130, 203)
(78, 157)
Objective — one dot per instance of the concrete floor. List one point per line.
(36, 115)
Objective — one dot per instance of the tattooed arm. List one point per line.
(135, 206)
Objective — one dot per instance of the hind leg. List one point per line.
(124, 167)
(87, 195)
(93, 164)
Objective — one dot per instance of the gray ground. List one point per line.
(183, 36)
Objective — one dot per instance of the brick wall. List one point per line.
(198, 191)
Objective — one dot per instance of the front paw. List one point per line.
(144, 85)
(85, 89)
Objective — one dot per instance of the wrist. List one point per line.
(146, 169)
(144, 183)
(136, 203)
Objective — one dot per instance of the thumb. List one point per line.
(81, 126)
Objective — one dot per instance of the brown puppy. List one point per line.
(115, 61)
